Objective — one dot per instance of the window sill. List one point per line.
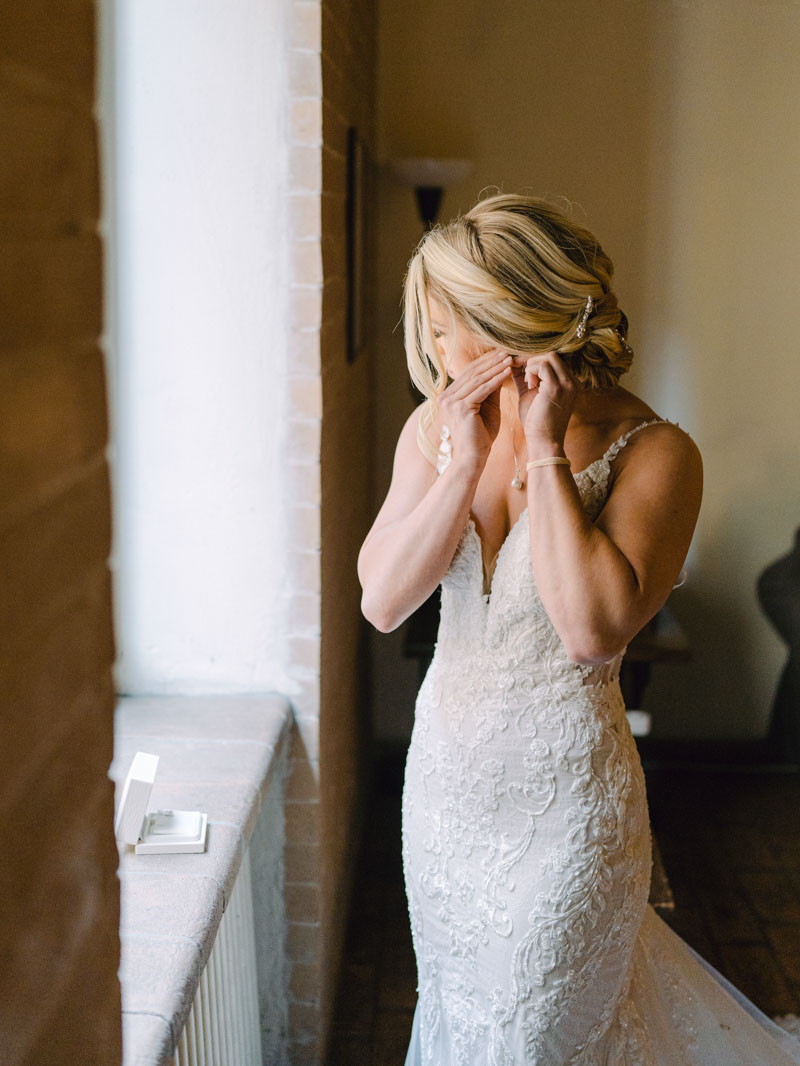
(219, 754)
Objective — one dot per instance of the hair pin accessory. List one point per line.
(625, 344)
(581, 330)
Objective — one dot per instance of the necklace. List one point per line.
(516, 481)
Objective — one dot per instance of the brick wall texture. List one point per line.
(59, 894)
(331, 71)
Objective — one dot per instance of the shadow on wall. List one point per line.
(658, 134)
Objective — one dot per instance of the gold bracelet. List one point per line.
(551, 460)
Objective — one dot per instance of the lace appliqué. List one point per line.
(525, 833)
(445, 453)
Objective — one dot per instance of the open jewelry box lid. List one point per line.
(151, 832)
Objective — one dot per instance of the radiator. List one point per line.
(223, 1027)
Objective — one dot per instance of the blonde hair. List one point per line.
(517, 273)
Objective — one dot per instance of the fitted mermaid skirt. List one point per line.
(527, 853)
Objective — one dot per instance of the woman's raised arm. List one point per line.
(415, 535)
(601, 581)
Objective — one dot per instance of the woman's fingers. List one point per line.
(546, 374)
(520, 379)
(525, 380)
(479, 390)
(487, 387)
(477, 373)
(555, 366)
(548, 368)
(534, 368)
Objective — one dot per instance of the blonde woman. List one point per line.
(555, 508)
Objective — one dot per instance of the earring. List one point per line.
(581, 330)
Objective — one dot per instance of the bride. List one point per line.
(555, 508)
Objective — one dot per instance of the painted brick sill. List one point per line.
(219, 754)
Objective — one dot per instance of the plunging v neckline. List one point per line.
(514, 524)
(471, 518)
(484, 574)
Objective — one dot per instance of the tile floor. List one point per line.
(731, 847)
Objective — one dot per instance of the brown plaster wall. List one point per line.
(59, 894)
(348, 72)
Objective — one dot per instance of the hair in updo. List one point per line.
(517, 273)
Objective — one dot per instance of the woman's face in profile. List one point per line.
(457, 347)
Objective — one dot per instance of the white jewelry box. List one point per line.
(155, 832)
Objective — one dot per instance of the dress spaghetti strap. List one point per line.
(619, 444)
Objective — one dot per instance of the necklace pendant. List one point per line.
(516, 481)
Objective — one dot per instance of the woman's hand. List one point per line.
(418, 528)
(470, 405)
(546, 391)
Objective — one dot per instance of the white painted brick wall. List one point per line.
(330, 69)
(302, 858)
(305, 215)
(306, 27)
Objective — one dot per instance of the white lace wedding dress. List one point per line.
(526, 847)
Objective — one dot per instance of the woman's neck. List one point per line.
(590, 407)
(510, 425)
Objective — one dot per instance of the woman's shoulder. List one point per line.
(657, 434)
(660, 449)
(422, 419)
(409, 454)
(410, 428)
(620, 423)
(633, 416)
(648, 444)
